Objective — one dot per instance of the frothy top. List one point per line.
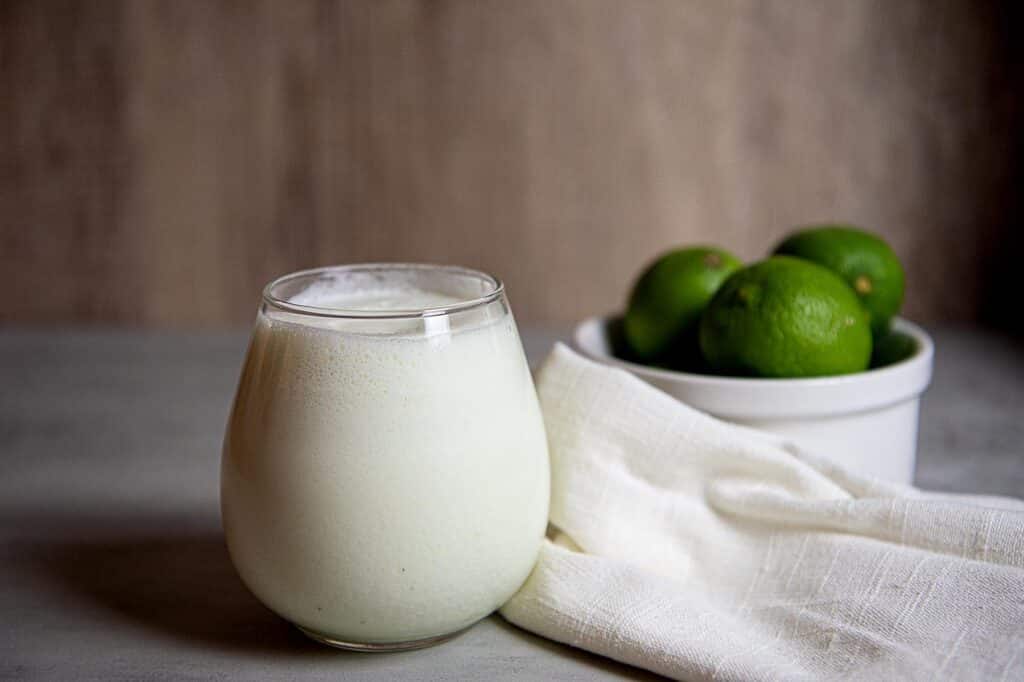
(326, 295)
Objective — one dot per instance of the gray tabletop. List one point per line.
(112, 563)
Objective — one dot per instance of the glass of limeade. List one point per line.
(385, 478)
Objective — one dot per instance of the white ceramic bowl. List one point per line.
(866, 422)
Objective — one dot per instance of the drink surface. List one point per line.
(377, 298)
(384, 487)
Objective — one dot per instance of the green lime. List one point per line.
(864, 260)
(668, 299)
(785, 317)
(892, 347)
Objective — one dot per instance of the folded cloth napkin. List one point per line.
(707, 551)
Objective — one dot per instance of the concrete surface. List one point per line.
(112, 564)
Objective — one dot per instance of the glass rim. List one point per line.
(496, 285)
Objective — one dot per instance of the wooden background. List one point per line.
(160, 161)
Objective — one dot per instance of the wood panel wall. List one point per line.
(159, 161)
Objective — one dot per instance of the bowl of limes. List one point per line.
(806, 343)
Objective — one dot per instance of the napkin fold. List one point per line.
(702, 550)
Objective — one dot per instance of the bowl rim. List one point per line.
(778, 398)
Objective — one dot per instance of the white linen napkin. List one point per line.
(707, 551)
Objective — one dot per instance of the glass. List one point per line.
(385, 478)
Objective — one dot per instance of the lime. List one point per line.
(864, 260)
(892, 347)
(668, 299)
(785, 317)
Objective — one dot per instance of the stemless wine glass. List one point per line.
(385, 479)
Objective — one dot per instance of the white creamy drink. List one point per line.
(384, 480)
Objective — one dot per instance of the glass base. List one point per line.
(380, 647)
